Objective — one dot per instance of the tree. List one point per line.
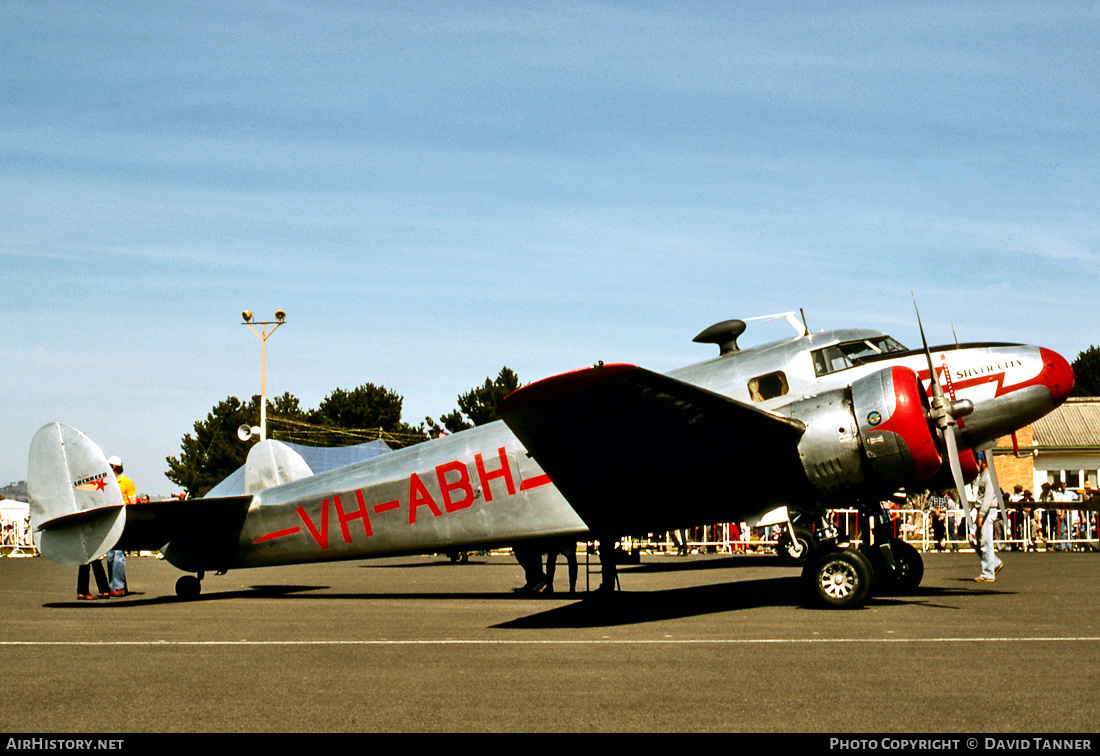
(478, 406)
(214, 451)
(366, 408)
(343, 417)
(1086, 373)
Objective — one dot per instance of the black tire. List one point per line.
(908, 575)
(805, 541)
(839, 578)
(188, 587)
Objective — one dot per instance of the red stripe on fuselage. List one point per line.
(540, 480)
(277, 534)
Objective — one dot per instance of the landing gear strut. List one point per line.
(795, 549)
(898, 566)
(902, 571)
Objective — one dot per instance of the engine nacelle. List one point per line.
(875, 432)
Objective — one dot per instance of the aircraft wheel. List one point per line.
(840, 578)
(188, 587)
(910, 570)
(797, 551)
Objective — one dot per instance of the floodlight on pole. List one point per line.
(263, 334)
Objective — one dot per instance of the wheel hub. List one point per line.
(838, 580)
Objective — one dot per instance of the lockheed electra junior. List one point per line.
(819, 420)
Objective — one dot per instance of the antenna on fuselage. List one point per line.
(804, 323)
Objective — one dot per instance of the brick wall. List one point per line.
(1012, 471)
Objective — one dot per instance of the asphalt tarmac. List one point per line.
(691, 644)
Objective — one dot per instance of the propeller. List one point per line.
(944, 413)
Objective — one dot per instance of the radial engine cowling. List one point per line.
(875, 432)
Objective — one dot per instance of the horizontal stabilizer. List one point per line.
(635, 451)
(200, 534)
(77, 510)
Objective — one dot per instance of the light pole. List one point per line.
(263, 335)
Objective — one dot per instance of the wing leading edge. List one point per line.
(634, 451)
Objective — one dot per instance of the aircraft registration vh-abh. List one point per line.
(822, 420)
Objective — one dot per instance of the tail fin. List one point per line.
(272, 463)
(77, 510)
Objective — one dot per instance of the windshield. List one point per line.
(852, 353)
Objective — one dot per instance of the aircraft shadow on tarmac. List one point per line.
(718, 562)
(629, 608)
(588, 609)
(137, 598)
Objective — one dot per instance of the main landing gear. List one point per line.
(840, 578)
(845, 577)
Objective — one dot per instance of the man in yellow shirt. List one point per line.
(116, 559)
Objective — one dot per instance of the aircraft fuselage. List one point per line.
(481, 488)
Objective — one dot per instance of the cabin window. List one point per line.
(769, 386)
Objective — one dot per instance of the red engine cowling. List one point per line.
(890, 408)
(875, 434)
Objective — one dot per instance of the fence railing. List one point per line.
(1061, 530)
(15, 538)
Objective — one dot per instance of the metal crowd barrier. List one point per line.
(1060, 530)
(15, 538)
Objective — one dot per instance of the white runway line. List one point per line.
(604, 641)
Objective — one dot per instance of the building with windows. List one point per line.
(1062, 447)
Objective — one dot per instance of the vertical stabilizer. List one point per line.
(272, 463)
(77, 510)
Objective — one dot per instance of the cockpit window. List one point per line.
(769, 386)
(851, 353)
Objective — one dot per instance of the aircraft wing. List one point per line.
(634, 451)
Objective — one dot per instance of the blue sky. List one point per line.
(435, 190)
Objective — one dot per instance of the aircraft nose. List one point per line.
(1057, 374)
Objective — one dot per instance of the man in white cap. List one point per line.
(116, 558)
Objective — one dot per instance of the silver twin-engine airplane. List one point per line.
(821, 420)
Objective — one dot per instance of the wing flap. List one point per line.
(635, 451)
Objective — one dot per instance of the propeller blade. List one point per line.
(924, 341)
(956, 468)
(941, 412)
(988, 451)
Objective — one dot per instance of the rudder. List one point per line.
(77, 510)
